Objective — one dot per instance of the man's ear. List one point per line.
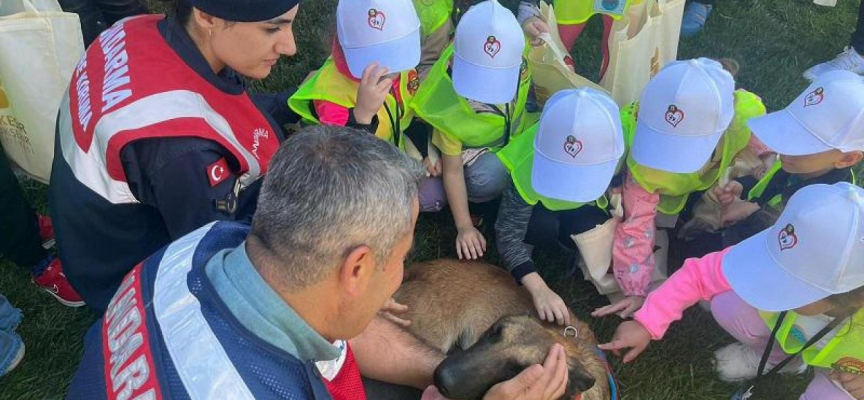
(206, 21)
(849, 159)
(357, 270)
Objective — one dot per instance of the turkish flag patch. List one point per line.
(218, 172)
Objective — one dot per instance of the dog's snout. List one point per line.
(583, 382)
(445, 380)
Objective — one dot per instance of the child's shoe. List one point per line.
(738, 362)
(11, 352)
(52, 279)
(848, 60)
(695, 16)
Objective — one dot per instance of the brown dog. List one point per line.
(480, 308)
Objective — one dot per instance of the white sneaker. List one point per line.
(848, 60)
(738, 362)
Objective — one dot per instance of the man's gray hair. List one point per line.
(331, 189)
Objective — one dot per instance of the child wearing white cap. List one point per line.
(819, 137)
(687, 130)
(474, 97)
(369, 80)
(799, 283)
(563, 164)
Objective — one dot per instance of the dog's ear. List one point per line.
(579, 379)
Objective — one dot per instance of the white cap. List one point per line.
(578, 145)
(815, 250)
(386, 31)
(828, 115)
(487, 54)
(683, 112)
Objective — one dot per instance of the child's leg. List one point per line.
(570, 33)
(823, 388)
(486, 178)
(743, 322)
(431, 194)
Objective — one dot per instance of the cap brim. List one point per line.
(782, 133)
(396, 55)
(763, 283)
(568, 182)
(677, 154)
(484, 84)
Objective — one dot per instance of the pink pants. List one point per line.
(743, 322)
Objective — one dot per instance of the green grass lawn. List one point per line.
(774, 41)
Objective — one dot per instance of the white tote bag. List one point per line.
(640, 44)
(39, 47)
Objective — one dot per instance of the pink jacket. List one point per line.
(632, 249)
(698, 279)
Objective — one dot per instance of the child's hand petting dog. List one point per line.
(389, 311)
(470, 243)
(629, 335)
(550, 306)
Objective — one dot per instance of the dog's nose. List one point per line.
(444, 381)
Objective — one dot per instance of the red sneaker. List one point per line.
(53, 281)
(46, 230)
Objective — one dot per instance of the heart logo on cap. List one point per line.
(572, 146)
(674, 115)
(377, 19)
(492, 46)
(787, 237)
(815, 97)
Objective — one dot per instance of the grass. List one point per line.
(774, 41)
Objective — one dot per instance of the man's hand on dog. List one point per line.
(389, 311)
(629, 335)
(537, 382)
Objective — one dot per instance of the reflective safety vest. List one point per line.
(439, 105)
(518, 158)
(776, 201)
(572, 12)
(328, 84)
(674, 188)
(433, 14)
(844, 352)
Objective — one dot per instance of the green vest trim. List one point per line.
(439, 105)
(328, 84)
(674, 189)
(845, 351)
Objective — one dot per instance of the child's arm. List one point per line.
(511, 227)
(632, 250)
(470, 243)
(371, 94)
(698, 279)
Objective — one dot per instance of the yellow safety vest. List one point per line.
(439, 105)
(518, 158)
(844, 352)
(433, 14)
(329, 84)
(572, 12)
(674, 188)
(760, 186)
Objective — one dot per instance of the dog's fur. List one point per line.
(479, 308)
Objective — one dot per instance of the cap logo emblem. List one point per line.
(492, 46)
(787, 237)
(674, 115)
(572, 146)
(815, 97)
(376, 19)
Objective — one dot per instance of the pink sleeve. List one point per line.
(632, 249)
(698, 279)
(757, 147)
(330, 113)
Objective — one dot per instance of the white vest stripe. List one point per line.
(90, 168)
(199, 358)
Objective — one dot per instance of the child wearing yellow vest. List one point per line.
(562, 165)
(686, 131)
(474, 97)
(792, 295)
(819, 137)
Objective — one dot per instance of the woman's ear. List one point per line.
(205, 21)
